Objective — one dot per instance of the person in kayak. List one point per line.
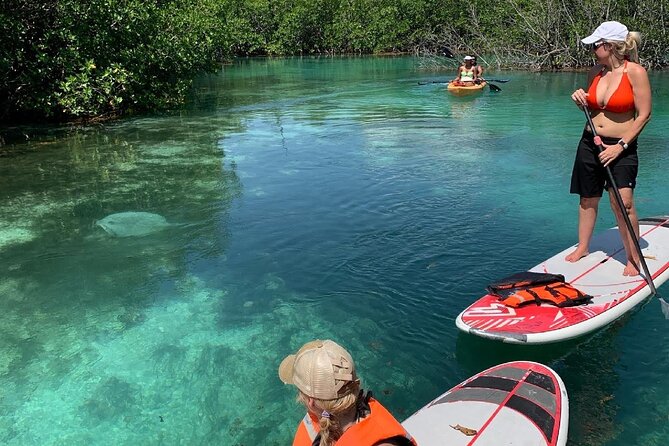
(338, 411)
(619, 100)
(479, 69)
(467, 73)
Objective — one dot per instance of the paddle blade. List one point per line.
(664, 305)
(447, 52)
(494, 88)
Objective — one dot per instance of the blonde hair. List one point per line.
(629, 49)
(334, 410)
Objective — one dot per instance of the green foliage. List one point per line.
(90, 93)
(64, 59)
(301, 27)
(248, 25)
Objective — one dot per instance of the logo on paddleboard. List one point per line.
(494, 309)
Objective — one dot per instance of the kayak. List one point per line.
(599, 274)
(516, 403)
(461, 89)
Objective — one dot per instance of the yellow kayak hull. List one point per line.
(460, 89)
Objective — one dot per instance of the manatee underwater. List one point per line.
(133, 224)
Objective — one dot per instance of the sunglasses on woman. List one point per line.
(596, 45)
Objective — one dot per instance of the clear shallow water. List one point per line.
(331, 198)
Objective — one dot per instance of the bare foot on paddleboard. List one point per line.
(631, 269)
(576, 255)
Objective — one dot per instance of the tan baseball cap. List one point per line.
(320, 369)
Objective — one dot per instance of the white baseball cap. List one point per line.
(608, 31)
(469, 58)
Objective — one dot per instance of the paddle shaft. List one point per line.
(623, 211)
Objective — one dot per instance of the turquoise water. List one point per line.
(312, 198)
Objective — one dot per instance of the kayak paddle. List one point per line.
(493, 87)
(447, 52)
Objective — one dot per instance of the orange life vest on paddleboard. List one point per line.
(526, 287)
(558, 294)
(379, 425)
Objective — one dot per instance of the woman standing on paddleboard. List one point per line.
(619, 100)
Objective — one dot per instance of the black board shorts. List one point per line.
(589, 178)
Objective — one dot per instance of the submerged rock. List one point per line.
(133, 224)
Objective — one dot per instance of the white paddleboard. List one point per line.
(600, 274)
(518, 403)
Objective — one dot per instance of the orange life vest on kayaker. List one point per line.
(379, 425)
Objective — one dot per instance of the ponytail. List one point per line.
(629, 49)
(632, 44)
(331, 429)
(330, 413)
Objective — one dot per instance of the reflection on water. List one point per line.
(465, 107)
(304, 198)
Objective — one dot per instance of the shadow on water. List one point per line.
(591, 374)
(476, 354)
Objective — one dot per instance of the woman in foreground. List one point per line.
(338, 411)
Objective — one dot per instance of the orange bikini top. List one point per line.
(621, 101)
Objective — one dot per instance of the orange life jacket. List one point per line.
(525, 287)
(306, 431)
(559, 294)
(379, 425)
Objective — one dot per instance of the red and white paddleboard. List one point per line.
(517, 403)
(600, 274)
